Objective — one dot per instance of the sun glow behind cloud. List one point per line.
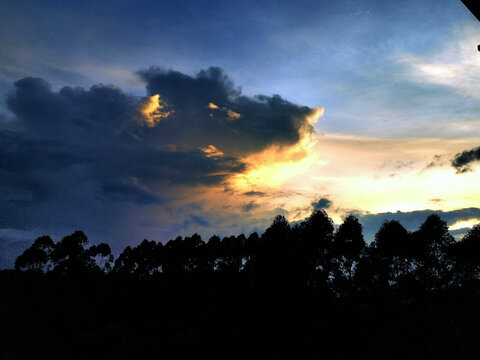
(152, 110)
(464, 224)
(357, 173)
(393, 175)
(277, 164)
(357, 176)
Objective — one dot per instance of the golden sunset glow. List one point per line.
(211, 151)
(277, 164)
(231, 115)
(151, 110)
(464, 224)
(355, 174)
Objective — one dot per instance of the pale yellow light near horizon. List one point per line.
(353, 172)
(357, 175)
(464, 224)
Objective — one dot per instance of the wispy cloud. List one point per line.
(455, 64)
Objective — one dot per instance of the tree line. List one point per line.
(296, 290)
(311, 253)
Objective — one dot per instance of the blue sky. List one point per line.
(395, 80)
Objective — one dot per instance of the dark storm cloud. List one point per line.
(86, 158)
(98, 125)
(322, 203)
(234, 123)
(160, 165)
(126, 190)
(77, 153)
(20, 154)
(462, 161)
(72, 114)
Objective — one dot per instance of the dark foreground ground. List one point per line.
(116, 318)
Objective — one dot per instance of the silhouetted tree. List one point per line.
(271, 260)
(390, 252)
(391, 239)
(192, 250)
(251, 248)
(316, 239)
(328, 286)
(230, 253)
(348, 244)
(142, 261)
(126, 262)
(183, 255)
(466, 254)
(70, 256)
(213, 253)
(37, 256)
(434, 265)
(103, 256)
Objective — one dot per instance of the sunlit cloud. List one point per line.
(231, 115)
(211, 151)
(151, 110)
(464, 224)
(358, 173)
(277, 164)
(456, 64)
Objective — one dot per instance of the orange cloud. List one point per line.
(277, 164)
(211, 151)
(151, 110)
(464, 224)
(231, 115)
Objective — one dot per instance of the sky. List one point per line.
(148, 119)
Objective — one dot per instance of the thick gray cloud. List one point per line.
(98, 127)
(71, 114)
(88, 158)
(462, 160)
(234, 123)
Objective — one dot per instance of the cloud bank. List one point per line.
(86, 158)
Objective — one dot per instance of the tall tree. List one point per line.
(37, 256)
